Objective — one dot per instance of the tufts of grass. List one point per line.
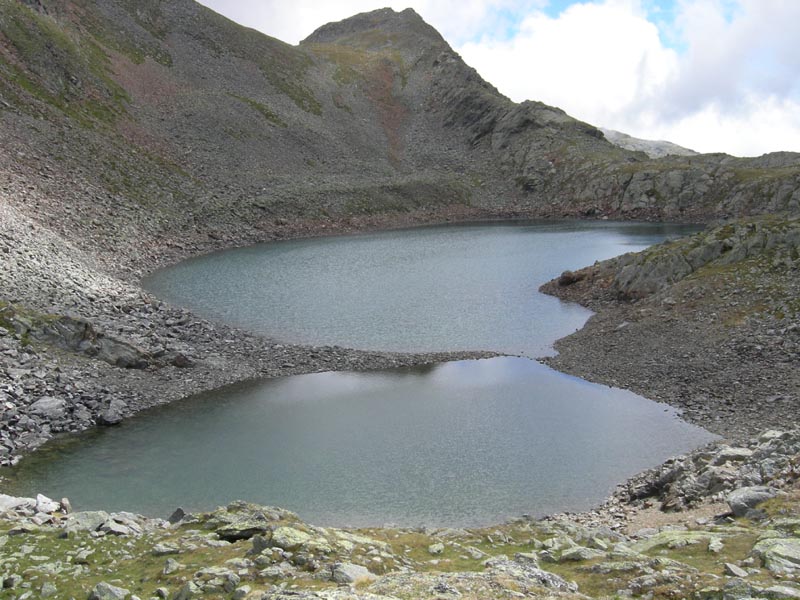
(263, 109)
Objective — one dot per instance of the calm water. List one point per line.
(461, 443)
(426, 289)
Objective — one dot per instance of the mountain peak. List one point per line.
(360, 29)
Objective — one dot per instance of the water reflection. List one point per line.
(460, 443)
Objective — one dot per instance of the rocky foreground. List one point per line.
(746, 547)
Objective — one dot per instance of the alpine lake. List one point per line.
(462, 443)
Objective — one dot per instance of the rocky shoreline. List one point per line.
(709, 324)
(80, 347)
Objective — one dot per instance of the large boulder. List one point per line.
(243, 530)
(89, 520)
(10, 504)
(747, 498)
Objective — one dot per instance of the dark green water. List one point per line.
(461, 443)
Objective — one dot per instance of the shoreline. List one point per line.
(214, 360)
(475, 562)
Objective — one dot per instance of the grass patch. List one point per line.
(262, 109)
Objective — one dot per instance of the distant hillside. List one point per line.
(653, 148)
(134, 127)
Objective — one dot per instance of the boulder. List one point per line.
(49, 408)
(781, 592)
(89, 520)
(106, 591)
(350, 573)
(579, 553)
(112, 414)
(745, 498)
(46, 505)
(735, 571)
(437, 548)
(728, 454)
(243, 530)
(289, 538)
(13, 503)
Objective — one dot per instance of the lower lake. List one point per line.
(455, 444)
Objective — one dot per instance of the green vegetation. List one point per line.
(263, 109)
(59, 71)
(146, 14)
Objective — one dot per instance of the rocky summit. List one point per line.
(138, 133)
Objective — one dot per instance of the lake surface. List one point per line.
(470, 287)
(459, 444)
(455, 444)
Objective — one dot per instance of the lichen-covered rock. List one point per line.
(779, 555)
(580, 553)
(243, 529)
(289, 538)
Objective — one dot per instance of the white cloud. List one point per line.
(591, 60)
(729, 80)
(733, 87)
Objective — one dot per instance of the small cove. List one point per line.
(460, 443)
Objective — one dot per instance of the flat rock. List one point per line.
(13, 503)
(243, 530)
(579, 553)
(735, 571)
(51, 408)
(781, 592)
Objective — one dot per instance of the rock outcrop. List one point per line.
(708, 323)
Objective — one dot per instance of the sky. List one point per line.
(710, 75)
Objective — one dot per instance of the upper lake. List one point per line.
(462, 287)
(460, 443)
